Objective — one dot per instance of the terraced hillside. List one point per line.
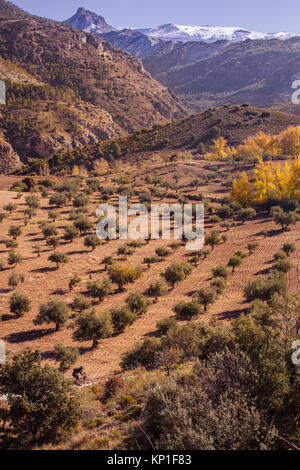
(43, 282)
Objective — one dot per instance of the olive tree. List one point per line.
(90, 327)
(55, 311)
(124, 275)
(39, 404)
(19, 304)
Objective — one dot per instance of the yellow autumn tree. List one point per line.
(290, 141)
(277, 180)
(75, 171)
(259, 145)
(241, 191)
(219, 150)
(263, 183)
(295, 179)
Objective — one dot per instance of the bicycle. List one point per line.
(84, 382)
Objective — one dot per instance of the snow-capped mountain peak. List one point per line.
(94, 23)
(175, 32)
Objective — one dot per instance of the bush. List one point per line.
(220, 271)
(49, 230)
(80, 303)
(81, 201)
(213, 239)
(279, 255)
(11, 244)
(162, 252)
(138, 303)
(142, 354)
(89, 327)
(122, 317)
(15, 279)
(165, 325)
(53, 215)
(58, 258)
(100, 291)
(123, 275)
(151, 260)
(10, 207)
(14, 258)
(224, 212)
(53, 241)
(39, 406)
(55, 311)
(3, 216)
(219, 285)
(125, 251)
(92, 241)
(188, 310)
(114, 385)
(196, 411)
(177, 272)
(74, 281)
(19, 304)
(264, 289)
(289, 248)
(107, 261)
(59, 199)
(157, 289)
(284, 219)
(14, 231)
(83, 224)
(71, 232)
(66, 356)
(206, 296)
(252, 247)
(247, 214)
(283, 265)
(234, 262)
(33, 201)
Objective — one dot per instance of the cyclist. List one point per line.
(77, 373)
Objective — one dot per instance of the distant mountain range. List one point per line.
(175, 32)
(93, 23)
(208, 65)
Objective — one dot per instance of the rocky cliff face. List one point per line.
(89, 22)
(9, 160)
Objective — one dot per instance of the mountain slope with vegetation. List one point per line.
(194, 133)
(67, 88)
(260, 72)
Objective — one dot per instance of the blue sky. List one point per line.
(261, 15)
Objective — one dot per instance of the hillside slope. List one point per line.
(235, 123)
(67, 88)
(9, 10)
(260, 72)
